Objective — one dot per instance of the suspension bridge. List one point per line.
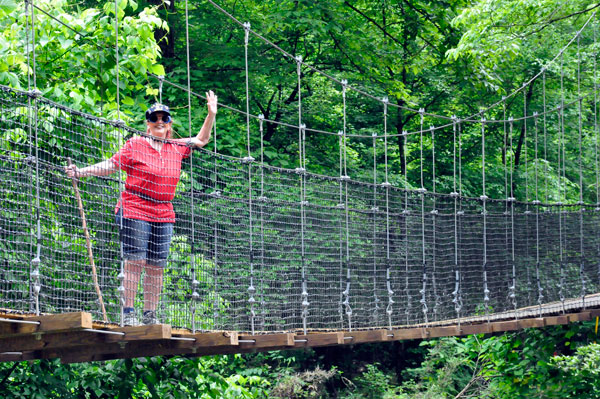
(267, 258)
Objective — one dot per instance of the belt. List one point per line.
(146, 197)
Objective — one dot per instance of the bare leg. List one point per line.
(153, 282)
(133, 271)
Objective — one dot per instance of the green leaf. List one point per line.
(7, 7)
(158, 69)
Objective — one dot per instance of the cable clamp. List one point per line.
(375, 209)
(262, 198)
(386, 184)
(559, 203)
(511, 199)
(580, 203)
(340, 133)
(340, 206)
(527, 212)
(304, 203)
(344, 83)
(460, 213)
(344, 178)
(484, 198)
(248, 159)
(421, 111)
(215, 194)
(422, 190)
(35, 93)
(300, 171)
(506, 213)
(298, 59)
(454, 194)
(118, 123)
(536, 202)
(374, 134)
(405, 212)
(261, 117)
(434, 212)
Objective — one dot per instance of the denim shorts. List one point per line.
(143, 240)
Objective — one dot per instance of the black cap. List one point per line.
(156, 108)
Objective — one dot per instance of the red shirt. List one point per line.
(150, 175)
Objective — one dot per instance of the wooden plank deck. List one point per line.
(73, 337)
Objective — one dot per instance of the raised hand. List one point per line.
(211, 102)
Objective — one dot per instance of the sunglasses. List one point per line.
(164, 118)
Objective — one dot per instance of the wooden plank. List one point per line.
(583, 316)
(47, 323)
(472, 329)
(556, 320)
(447, 331)
(214, 339)
(64, 321)
(357, 337)
(266, 340)
(501, 326)
(405, 334)
(531, 323)
(153, 331)
(313, 340)
(594, 313)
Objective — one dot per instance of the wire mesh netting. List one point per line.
(261, 248)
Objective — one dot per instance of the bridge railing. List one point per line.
(270, 249)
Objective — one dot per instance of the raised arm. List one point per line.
(203, 135)
(103, 168)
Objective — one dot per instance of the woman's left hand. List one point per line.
(211, 100)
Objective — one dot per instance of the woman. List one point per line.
(144, 212)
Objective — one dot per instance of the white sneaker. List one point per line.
(150, 318)
(130, 319)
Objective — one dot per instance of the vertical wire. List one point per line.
(406, 213)
(389, 309)
(527, 211)
(596, 134)
(422, 192)
(35, 275)
(374, 210)
(118, 126)
(262, 199)
(251, 289)
(301, 170)
(454, 195)
(545, 139)
(537, 220)
(561, 154)
(345, 178)
(215, 195)
(484, 198)
(195, 283)
(511, 200)
(340, 206)
(581, 246)
(434, 213)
